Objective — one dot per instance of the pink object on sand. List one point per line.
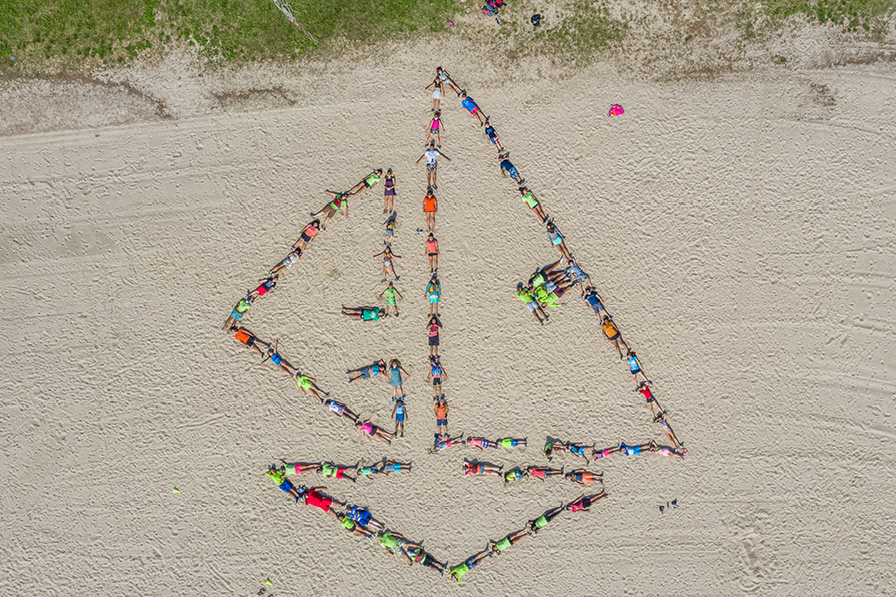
(615, 110)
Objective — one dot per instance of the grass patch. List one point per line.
(852, 15)
(114, 31)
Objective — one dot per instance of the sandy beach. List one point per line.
(740, 230)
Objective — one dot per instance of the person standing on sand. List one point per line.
(432, 156)
(433, 294)
(388, 259)
(441, 410)
(395, 371)
(391, 293)
(389, 191)
(430, 207)
(435, 128)
(399, 413)
(432, 251)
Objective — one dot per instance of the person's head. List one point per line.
(379, 171)
(389, 171)
(433, 319)
(431, 237)
(524, 190)
(551, 226)
(519, 286)
(432, 358)
(463, 93)
(400, 401)
(395, 363)
(429, 192)
(439, 70)
(390, 285)
(315, 223)
(606, 319)
(438, 114)
(570, 260)
(631, 353)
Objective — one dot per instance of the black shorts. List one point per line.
(305, 237)
(251, 341)
(436, 381)
(433, 340)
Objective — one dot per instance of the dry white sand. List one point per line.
(741, 231)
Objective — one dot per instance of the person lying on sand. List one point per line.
(582, 477)
(595, 302)
(444, 442)
(351, 526)
(391, 466)
(363, 313)
(498, 547)
(316, 499)
(548, 298)
(458, 571)
(432, 253)
(634, 366)
(248, 338)
(278, 360)
(432, 331)
(441, 410)
(414, 554)
(508, 169)
(435, 128)
(330, 209)
(556, 239)
(481, 469)
(367, 372)
(515, 474)
(392, 542)
(635, 450)
(340, 410)
(369, 180)
(595, 453)
(241, 308)
(308, 384)
(644, 388)
(493, 138)
(660, 420)
(533, 203)
(328, 469)
(369, 429)
(613, 335)
(291, 259)
(308, 234)
(472, 107)
(389, 194)
(542, 521)
(583, 502)
(267, 285)
(446, 79)
(542, 472)
(363, 518)
(535, 308)
(279, 477)
(301, 467)
(388, 258)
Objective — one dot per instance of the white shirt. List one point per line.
(431, 155)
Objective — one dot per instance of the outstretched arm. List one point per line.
(418, 159)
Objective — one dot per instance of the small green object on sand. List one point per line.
(175, 490)
(268, 582)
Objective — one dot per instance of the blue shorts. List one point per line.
(364, 518)
(634, 371)
(442, 422)
(557, 240)
(399, 418)
(396, 468)
(513, 173)
(236, 314)
(434, 299)
(286, 485)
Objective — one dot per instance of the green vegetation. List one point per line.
(109, 31)
(853, 15)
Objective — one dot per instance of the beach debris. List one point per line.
(616, 110)
(269, 582)
(536, 20)
(175, 490)
(451, 24)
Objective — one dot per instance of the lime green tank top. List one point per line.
(540, 522)
(503, 544)
(389, 540)
(278, 476)
(390, 294)
(372, 179)
(327, 470)
(347, 522)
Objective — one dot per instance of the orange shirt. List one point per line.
(432, 246)
(610, 329)
(429, 204)
(243, 335)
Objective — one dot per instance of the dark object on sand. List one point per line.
(536, 20)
